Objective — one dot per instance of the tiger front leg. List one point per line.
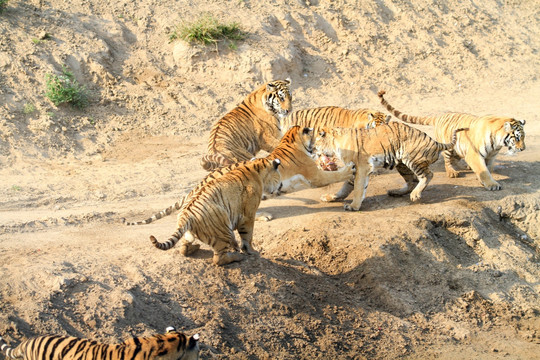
(342, 193)
(245, 229)
(478, 165)
(360, 187)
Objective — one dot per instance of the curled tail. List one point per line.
(8, 351)
(403, 117)
(213, 161)
(168, 211)
(171, 241)
(451, 145)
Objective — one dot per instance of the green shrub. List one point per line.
(207, 30)
(3, 5)
(65, 88)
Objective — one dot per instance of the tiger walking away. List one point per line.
(409, 150)
(172, 345)
(478, 146)
(252, 126)
(223, 205)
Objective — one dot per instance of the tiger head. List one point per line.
(376, 119)
(277, 99)
(272, 178)
(514, 137)
(177, 346)
(324, 142)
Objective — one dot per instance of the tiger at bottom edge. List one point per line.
(172, 345)
(409, 150)
(223, 205)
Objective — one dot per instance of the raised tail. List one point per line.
(403, 117)
(8, 351)
(451, 145)
(213, 161)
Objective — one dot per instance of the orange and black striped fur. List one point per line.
(333, 116)
(478, 146)
(172, 345)
(250, 127)
(410, 150)
(223, 205)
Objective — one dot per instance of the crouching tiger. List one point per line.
(172, 345)
(410, 150)
(478, 146)
(251, 126)
(223, 205)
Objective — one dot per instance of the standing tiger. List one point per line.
(223, 205)
(250, 127)
(172, 345)
(333, 116)
(410, 150)
(478, 146)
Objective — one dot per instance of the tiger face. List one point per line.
(514, 138)
(376, 119)
(277, 100)
(272, 179)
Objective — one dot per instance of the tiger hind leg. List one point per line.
(411, 181)
(424, 179)
(450, 162)
(188, 247)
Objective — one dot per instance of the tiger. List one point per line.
(297, 170)
(223, 205)
(172, 345)
(409, 150)
(332, 116)
(479, 146)
(252, 126)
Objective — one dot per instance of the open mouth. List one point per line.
(327, 163)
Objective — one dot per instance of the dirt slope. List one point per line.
(454, 276)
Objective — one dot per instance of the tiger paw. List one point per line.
(350, 207)
(415, 196)
(227, 258)
(451, 173)
(187, 249)
(263, 216)
(328, 198)
(492, 186)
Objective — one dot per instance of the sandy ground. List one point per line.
(456, 276)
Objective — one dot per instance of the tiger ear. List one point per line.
(288, 80)
(370, 116)
(508, 127)
(170, 329)
(271, 87)
(307, 130)
(322, 133)
(522, 122)
(276, 163)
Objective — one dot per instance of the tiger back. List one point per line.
(252, 126)
(333, 116)
(409, 150)
(172, 345)
(223, 205)
(478, 146)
